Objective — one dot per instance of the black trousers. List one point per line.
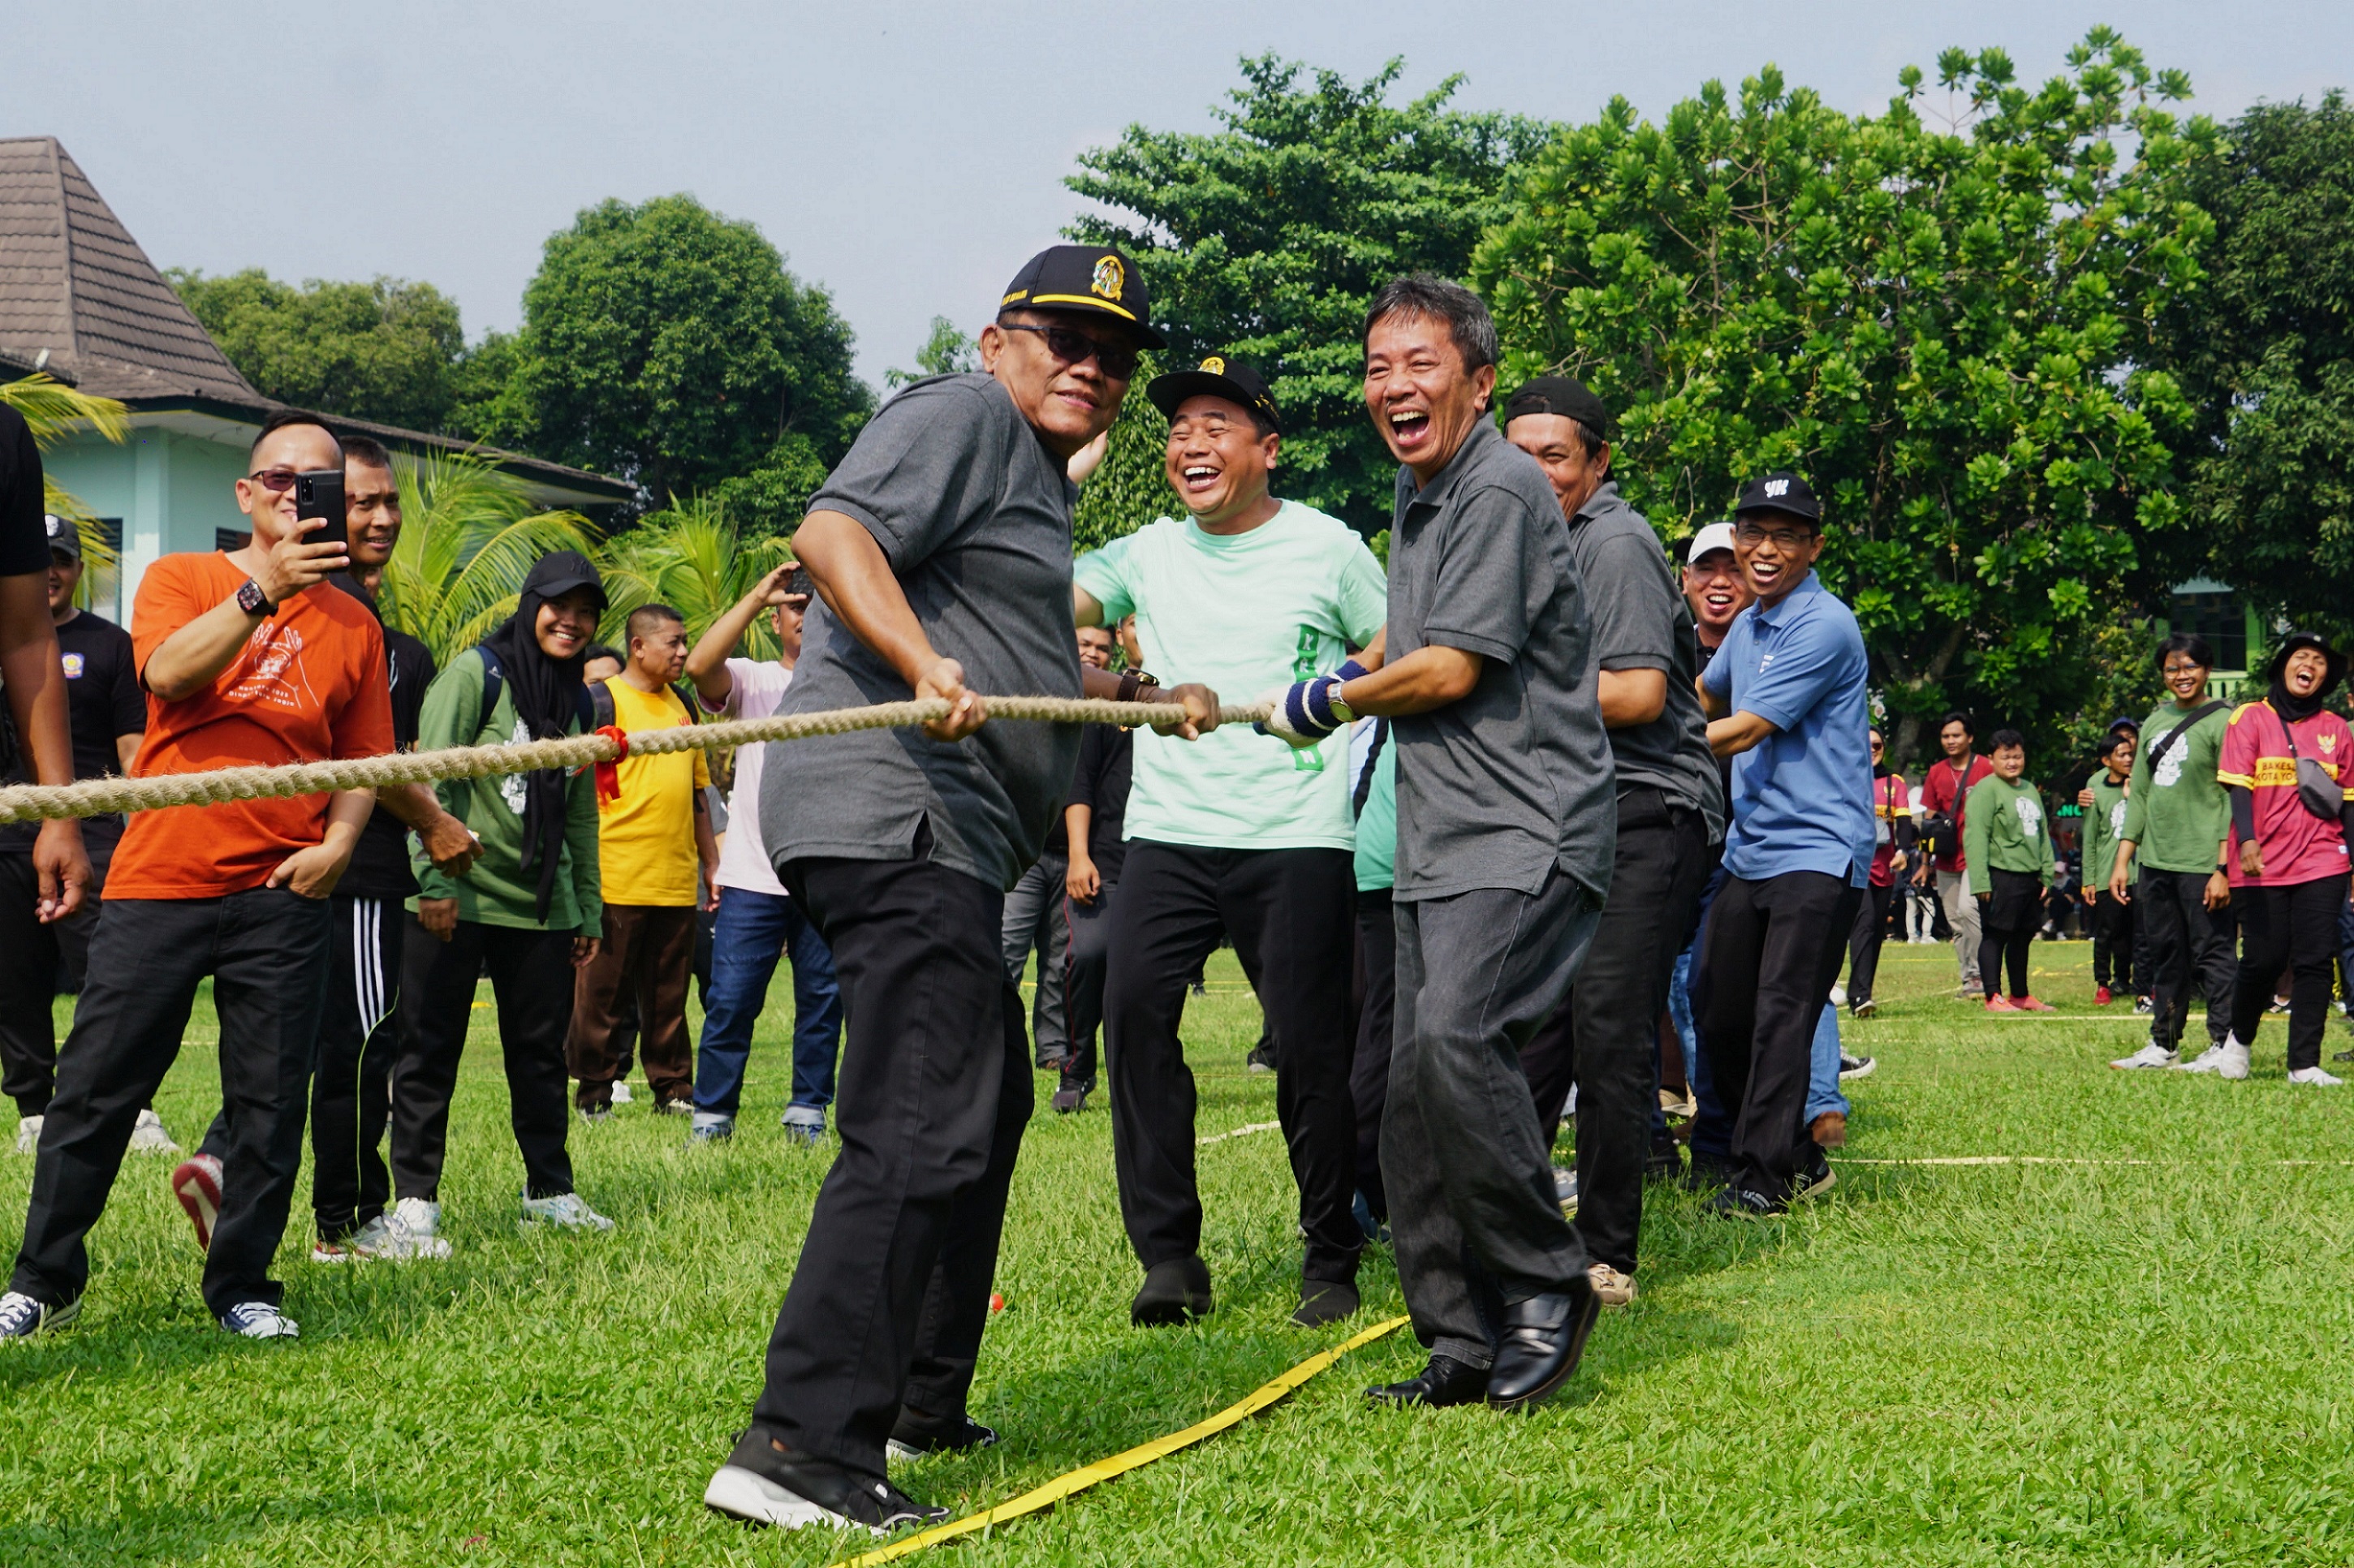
(1605, 1037)
(2293, 927)
(532, 978)
(1375, 989)
(889, 1298)
(1863, 945)
(2189, 952)
(38, 961)
(1290, 913)
(2007, 922)
(1473, 1213)
(2115, 936)
(1771, 951)
(1085, 957)
(266, 951)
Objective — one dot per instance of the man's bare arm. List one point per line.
(1731, 736)
(1429, 677)
(37, 701)
(1631, 697)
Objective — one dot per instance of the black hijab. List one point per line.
(2294, 709)
(547, 695)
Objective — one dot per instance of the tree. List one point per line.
(385, 350)
(1947, 331)
(691, 556)
(2263, 351)
(668, 345)
(1266, 240)
(947, 351)
(468, 539)
(1129, 488)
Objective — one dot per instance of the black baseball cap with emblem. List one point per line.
(1564, 396)
(1216, 376)
(64, 538)
(1086, 279)
(1780, 491)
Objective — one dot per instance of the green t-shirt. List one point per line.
(2005, 827)
(2178, 813)
(1377, 822)
(1241, 613)
(2104, 824)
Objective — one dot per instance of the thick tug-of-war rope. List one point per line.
(98, 797)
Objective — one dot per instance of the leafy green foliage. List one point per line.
(947, 351)
(469, 536)
(2264, 352)
(1944, 330)
(1265, 239)
(387, 350)
(50, 410)
(1130, 487)
(691, 556)
(666, 344)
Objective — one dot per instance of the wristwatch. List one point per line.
(252, 600)
(1133, 681)
(1341, 710)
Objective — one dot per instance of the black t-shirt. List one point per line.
(1106, 755)
(23, 544)
(379, 867)
(104, 702)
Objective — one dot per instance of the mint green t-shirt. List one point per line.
(1241, 613)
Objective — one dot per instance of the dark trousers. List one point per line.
(531, 981)
(2115, 939)
(1605, 1037)
(1289, 912)
(1369, 1073)
(1771, 951)
(1473, 1214)
(38, 961)
(647, 956)
(891, 1293)
(2293, 927)
(1088, 956)
(2008, 921)
(1863, 945)
(754, 929)
(266, 951)
(1034, 920)
(2189, 952)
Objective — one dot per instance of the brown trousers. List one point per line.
(648, 955)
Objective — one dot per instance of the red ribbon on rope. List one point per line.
(609, 774)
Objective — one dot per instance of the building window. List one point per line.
(2215, 611)
(231, 538)
(101, 582)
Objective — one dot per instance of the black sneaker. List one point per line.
(763, 1484)
(1174, 1292)
(916, 1433)
(1707, 1173)
(1665, 1160)
(1744, 1203)
(1262, 1057)
(2144, 1004)
(1070, 1097)
(1815, 1176)
(1323, 1301)
(1856, 1066)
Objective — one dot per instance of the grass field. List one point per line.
(2140, 1358)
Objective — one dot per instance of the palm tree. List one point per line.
(690, 556)
(468, 537)
(53, 409)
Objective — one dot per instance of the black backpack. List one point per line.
(596, 701)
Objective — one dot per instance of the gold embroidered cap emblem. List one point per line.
(1214, 366)
(1109, 278)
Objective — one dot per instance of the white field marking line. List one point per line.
(1240, 1133)
(2051, 1159)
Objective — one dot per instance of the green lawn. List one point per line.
(2107, 1362)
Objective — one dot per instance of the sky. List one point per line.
(907, 154)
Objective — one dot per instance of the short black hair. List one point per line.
(596, 650)
(1956, 716)
(2115, 738)
(2199, 651)
(1428, 294)
(366, 450)
(649, 614)
(284, 417)
(2003, 737)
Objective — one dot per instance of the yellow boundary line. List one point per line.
(1080, 1480)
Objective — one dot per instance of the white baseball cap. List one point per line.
(1715, 537)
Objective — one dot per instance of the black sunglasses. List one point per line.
(1074, 348)
(278, 479)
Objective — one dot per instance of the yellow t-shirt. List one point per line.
(645, 842)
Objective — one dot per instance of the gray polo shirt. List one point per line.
(1641, 622)
(1514, 779)
(975, 515)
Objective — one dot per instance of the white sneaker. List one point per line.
(621, 1094)
(2316, 1078)
(29, 1137)
(1564, 1188)
(2150, 1055)
(564, 1210)
(2229, 1060)
(148, 1136)
(1839, 996)
(260, 1320)
(419, 1220)
(1611, 1288)
(382, 1238)
(21, 1317)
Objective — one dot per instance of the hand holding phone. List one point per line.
(318, 548)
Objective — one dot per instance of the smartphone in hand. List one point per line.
(319, 492)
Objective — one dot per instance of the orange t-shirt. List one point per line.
(309, 686)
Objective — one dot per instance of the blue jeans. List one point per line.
(754, 930)
(1823, 1068)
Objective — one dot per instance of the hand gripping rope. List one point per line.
(98, 797)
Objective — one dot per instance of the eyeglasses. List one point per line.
(1750, 533)
(278, 481)
(1074, 348)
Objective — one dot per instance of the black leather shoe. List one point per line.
(1172, 1292)
(1542, 1339)
(1444, 1381)
(1323, 1301)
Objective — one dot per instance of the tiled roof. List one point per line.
(75, 284)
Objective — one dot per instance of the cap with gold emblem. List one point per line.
(1087, 279)
(1218, 377)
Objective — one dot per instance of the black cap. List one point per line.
(553, 577)
(1218, 377)
(1564, 396)
(2313, 639)
(64, 538)
(1780, 491)
(1088, 278)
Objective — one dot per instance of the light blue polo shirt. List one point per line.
(1801, 797)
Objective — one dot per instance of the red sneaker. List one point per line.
(1997, 1004)
(197, 1183)
(2101, 997)
(2029, 1004)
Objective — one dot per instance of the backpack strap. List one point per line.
(494, 680)
(596, 706)
(2166, 742)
